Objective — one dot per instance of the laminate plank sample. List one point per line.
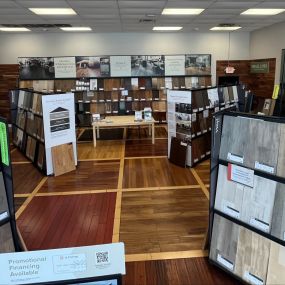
(3, 197)
(257, 205)
(224, 242)
(276, 265)
(165, 220)
(229, 194)
(178, 152)
(6, 239)
(252, 256)
(281, 156)
(278, 215)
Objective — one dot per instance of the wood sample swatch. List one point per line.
(224, 242)
(276, 265)
(178, 152)
(257, 205)
(278, 215)
(6, 239)
(64, 85)
(3, 198)
(160, 83)
(62, 159)
(281, 156)
(229, 194)
(202, 81)
(252, 256)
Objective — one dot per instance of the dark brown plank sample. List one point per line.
(178, 152)
(6, 239)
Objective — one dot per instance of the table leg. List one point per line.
(94, 136)
(149, 130)
(153, 133)
(98, 134)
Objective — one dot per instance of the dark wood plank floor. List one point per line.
(68, 221)
(17, 156)
(18, 202)
(143, 132)
(204, 172)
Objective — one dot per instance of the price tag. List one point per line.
(183, 144)
(196, 159)
(194, 117)
(202, 156)
(241, 175)
(208, 152)
(115, 89)
(252, 278)
(263, 167)
(259, 224)
(199, 133)
(142, 88)
(206, 113)
(235, 158)
(225, 262)
(217, 109)
(231, 211)
(201, 109)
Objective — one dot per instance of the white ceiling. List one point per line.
(124, 15)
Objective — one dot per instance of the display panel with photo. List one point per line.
(92, 66)
(34, 68)
(148, 65)
(198, 64)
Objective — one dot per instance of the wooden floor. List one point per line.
(123, 191)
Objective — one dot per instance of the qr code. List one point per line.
(102, 257)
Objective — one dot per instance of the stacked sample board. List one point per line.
(190, 116)
(248, 197)
(28, 129)
(118, 96)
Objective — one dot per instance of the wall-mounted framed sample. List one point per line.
(148, 65)
(198, 64)
(174, 65)
(64, 67)
(120, 66)
(34, 68)
(92, 66)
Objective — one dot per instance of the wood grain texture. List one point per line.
(252, 254)
(281, 155)
(6, 239)
(278, 215)
(224, 240)
(203, 172)
(166, 220)
(191, 271)
(63, 159)
(151, 172)
(229, 194)
(89, 175)
(68, 221)
(134, 133)
(276, 265)
(18, 202)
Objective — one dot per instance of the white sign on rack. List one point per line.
(64, 67)
(174, 65)
(120, 66)
(33, 267)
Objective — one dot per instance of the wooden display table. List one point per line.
(121, 121)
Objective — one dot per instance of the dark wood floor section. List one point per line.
(155, 172)
(18, 202)
(164, 220)
(143, 132)
(17, 156)
(68, 221)
(204, 172)
(194, 271)
(25, 178)
(89, 175)
(135, 148)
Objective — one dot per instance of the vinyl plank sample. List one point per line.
(276, 265)
(278, 215)
(4, 210)
(229, 194)
(281, 156)
(257, 205)
(6, 239)
(252, 256)
(224, 242)
(178, 152)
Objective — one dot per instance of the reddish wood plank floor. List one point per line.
(68, 221)
(89, 175)
(204, 172)
(143, 132)
(18, 202)
(193, 271)
(17, 156)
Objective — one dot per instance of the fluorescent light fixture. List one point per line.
(16, 29)
(76, 29)
(257, 12)
(53, 11)
(181, 11)
(167, 28)
(234, 28)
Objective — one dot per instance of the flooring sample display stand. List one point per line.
(246, 224)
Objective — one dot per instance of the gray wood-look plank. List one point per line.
(281, 153)
(6, 239)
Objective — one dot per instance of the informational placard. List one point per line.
(174, 65)
(259, 67)
(120, 66)
(241, 175)
(59, 123)
(64, 67)
(34, 267)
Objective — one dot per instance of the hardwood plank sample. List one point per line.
(276, 265)
(229, 194)
(224, 242)
(62, 159)
(178, 152)
(278, 215)
(6, 239)
(281, 156)
(252, 256)
(257, 205)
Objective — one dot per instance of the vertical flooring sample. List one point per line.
(278, 215)
(252, 257)
(178, 152)
(6, 239)
(229, 194)
(3, 199)
(224, 242)
(62, 159)
(235, 140)
(281, 156)
(276, 265)
(264, 143)
(257, 205)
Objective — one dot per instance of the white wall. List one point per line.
(268, 43)
(63, 44)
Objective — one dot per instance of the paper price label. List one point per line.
(63, 264)
(217, 109)
(194, 117)
(263, 167)
(252, 278)
(205, 113)
(259, 224)
(235, 158)
(225, 262)
(208, 152)
(241, 175)
(231, 211)
(183, 144)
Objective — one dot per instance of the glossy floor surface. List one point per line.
(123, 190)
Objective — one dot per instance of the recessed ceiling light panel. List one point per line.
(53, 11)
(269, 12)
(181, 11)
(76, 29)
(167, 28)
(15, 29)
(221, 28)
